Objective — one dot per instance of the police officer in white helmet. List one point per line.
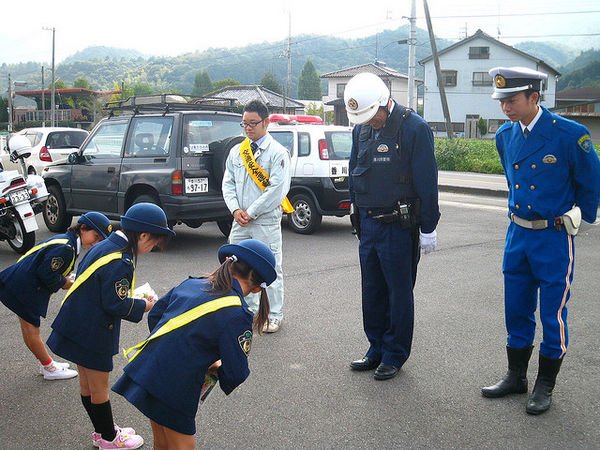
(394, 194)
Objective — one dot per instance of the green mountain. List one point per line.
(104, 67)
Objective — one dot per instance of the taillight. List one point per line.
(344, 205)
(45, 154)
(323, 152)
(177, 183)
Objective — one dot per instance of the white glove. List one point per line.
(428, 241)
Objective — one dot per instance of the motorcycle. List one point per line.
(22, 196)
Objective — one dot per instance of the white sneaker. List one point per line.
(121, 441)
(272, 326)
(56, 372)
(64, 365)
(97, 436)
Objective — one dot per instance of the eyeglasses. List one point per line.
(250, 125)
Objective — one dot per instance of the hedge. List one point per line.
(470, 155)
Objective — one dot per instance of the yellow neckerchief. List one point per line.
(184, 319)
(92, 268)
(258, 174)
(46, 244)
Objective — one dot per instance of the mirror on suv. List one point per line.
(72, 158)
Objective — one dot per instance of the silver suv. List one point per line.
(319, 158)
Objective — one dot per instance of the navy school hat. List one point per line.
(509, 81)
(97, 222)
(146, 218)
(254, 253)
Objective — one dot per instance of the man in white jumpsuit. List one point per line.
(256, 212)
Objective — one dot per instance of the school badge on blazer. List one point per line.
(549, 159)
(56, 263)
(245, 341)
(122, 288)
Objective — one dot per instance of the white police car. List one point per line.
(319, 158)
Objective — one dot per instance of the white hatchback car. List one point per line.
(51, 144)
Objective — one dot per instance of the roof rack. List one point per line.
(166, 103)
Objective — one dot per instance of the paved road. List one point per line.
(301, 394)
(463, 182)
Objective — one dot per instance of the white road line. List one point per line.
(472, 205)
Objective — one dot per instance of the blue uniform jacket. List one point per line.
(28, 284)
(398, 165)
(555, 168)
(172, 367)
(92, 314)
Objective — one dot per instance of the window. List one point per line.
(340, 87)
(482, 79)
(303, 144)
(107, 141)
(449, 77)
(285, 138)
(494, 124)
(479, 53)
(151, 137)
(339, 144)
(201, 130)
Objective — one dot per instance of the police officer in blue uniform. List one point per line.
(87, 328)
(26, 286)
(553, 176)
(203, 326)
(394, 192)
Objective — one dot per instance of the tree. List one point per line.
(3, 109)
(81, 83)
(269, 81)
(309, 84)
(141, 88)
(224, 83)
(482, 126)
(58, 84)
(202, 84)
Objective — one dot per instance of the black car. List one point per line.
(168, 149)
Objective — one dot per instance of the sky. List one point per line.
(177, 27)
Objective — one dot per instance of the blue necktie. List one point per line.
(525, 132)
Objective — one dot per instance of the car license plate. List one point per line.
(19, 196)
(196, 185)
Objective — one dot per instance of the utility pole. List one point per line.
(43, 101)
(438, 72)
(288, 54)
(52, 99)
(412, 56)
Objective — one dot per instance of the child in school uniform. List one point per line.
(26, 286)
(87, 328)
(203, 326)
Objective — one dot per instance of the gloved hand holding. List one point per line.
(355, 220)
(428, 241)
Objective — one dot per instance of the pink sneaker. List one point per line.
(97, 436)
(122, 440)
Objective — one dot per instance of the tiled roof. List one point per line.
(246, 93)
(584, 93)
(376, 68)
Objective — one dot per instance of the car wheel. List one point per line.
(55, 213)
(225, 226)
(145, 198)
(306, 218)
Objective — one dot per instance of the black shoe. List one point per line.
(364, 364)
(540, 399)
(515, 380)
(385, 372)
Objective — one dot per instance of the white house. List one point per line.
(468, 86)
(336, 83)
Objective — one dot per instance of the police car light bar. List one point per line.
(283, 119)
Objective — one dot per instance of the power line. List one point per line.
(548, 13)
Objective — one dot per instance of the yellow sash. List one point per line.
(46, 244)
(92, 268)
(258, 174)
(184, 319)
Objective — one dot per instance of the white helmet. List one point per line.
(19, 145)
(363, 96)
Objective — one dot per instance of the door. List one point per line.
(95, 177)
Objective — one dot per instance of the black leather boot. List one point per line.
(541, 397)
(515, 380)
